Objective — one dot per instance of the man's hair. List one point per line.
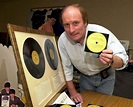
(48, 16)
(12, 91)
(81, 9)
(7, 84)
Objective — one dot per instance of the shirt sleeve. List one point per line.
(66, 62)
(118, 49)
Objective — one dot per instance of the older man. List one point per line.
(71, 45)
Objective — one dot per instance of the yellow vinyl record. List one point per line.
(65, 105)
(96, 42)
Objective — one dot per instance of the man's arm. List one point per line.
(117, 62)
(108, 58)
(74, 95)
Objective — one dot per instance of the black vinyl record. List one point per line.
(33, 58)
(51, 54)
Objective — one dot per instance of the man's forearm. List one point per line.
(117, 62)
(71, 87)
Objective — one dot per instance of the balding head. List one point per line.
(81, 10)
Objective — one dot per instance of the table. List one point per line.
(91, 97)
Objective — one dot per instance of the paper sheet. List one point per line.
(63, 99)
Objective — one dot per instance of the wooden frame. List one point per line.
(38, 91)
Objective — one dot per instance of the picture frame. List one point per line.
(39, 65)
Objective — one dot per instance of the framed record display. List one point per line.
(39, 64)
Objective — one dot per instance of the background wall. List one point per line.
(116, 16)
(8, 68)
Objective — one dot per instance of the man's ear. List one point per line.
(86, 24)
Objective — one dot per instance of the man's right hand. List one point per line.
(77, 98)
(74, 95)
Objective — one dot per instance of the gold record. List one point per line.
(65, 105)
(96, 42)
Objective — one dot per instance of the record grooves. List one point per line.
(33, 58)
(51, 54)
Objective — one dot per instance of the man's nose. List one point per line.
(72, 28)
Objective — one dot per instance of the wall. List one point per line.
(114, 15)
(8, 68)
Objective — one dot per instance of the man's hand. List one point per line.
(13, 105)
(106, 57)
(76, 97)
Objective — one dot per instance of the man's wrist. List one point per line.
(111, 62)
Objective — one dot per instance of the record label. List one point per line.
(96, 42)
(35, 57)
(51, 53)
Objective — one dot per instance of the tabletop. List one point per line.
(96, 98)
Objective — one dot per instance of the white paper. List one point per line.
(63, 99)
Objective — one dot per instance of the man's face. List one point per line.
(53, 20)
(12, 95)
(73, 24)
(7, 88)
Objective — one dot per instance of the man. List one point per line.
(14, 100)
(71, 45)
(6, 89)
(48, 25)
